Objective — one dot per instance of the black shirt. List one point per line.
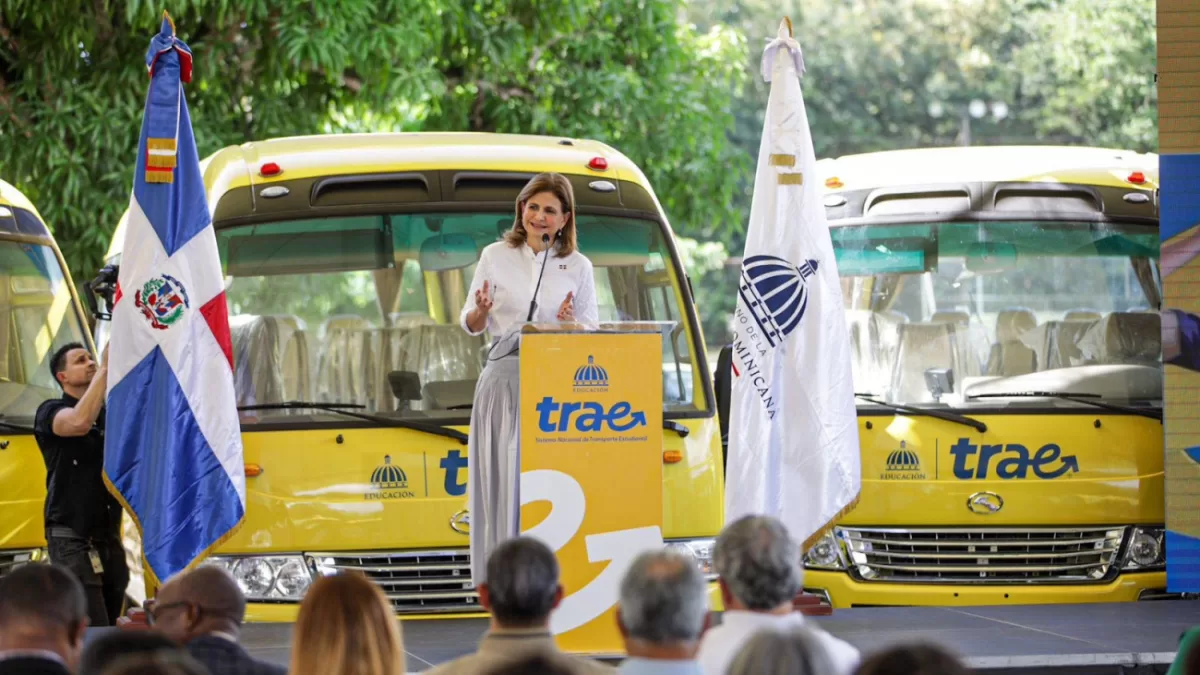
(75, 492)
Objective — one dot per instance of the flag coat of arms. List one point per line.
(793, 434)
(173, 447)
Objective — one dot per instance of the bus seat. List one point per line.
(972, 338)
(923, 346)
(410, 319)
(444, 356)
(881, 350)
(1081, 315)
(258, 379)
(858, 323)
(340, 360)
(1125, 337)
(295, 360)
(1010, 356)
(1064, 338)
(951, 316)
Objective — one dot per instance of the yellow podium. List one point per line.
(591, 463)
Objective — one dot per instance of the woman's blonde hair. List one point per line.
(346, 626)
(558, 185)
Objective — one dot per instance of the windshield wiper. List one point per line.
(1090, 399)
(940, 414)
(342, 409)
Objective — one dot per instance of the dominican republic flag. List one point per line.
(793, 432)
(173, 445)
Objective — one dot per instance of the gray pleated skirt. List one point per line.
(494, 465)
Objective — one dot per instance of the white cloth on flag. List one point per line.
(793, 434)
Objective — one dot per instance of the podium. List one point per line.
(592, 463)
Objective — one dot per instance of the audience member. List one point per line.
(108, 648)
(798, 651)
(346, 626)
(522, 590)
(43, 619)
(758, 564)
(203, 609)
(158, 663)
(1187, 655)
(661, 613)
(913, 659)
(533, 664)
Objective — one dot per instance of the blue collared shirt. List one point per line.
(637, 666)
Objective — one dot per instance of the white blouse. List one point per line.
(512, 274)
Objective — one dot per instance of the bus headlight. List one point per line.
(1146, 549)
(700, 550)
(268, 577)
(826, 554)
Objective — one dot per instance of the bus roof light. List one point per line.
(834, 182)
(598, 164)
(270, 169)
(1137, 178)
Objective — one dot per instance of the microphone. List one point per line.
(546, 251)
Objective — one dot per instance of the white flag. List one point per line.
(793, 433)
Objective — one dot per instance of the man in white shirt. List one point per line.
(663, 609)
(758, 564)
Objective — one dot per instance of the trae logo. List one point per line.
(1015, 461)
(590, 378)
(558, 416)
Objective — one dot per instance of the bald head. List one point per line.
(201, 601)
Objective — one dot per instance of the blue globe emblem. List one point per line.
(389, 476)
(591, 375)
(775, 291)
(903, 460)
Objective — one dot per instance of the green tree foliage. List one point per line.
(892, 74)
(73, 83)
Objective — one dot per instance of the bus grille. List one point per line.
(419, 582)
(982, 556)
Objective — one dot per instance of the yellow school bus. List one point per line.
(350, 359)
(1003, 313)
(39, 312)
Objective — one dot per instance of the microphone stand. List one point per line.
(546, 252)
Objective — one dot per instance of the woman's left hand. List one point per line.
(566, 311)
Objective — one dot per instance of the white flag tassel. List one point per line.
(793, 434)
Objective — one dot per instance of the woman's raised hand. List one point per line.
(566, 311)
(483, 299)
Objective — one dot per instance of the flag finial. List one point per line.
(168, 23)
(788, 20)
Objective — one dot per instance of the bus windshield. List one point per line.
(364, 310)
(39, 316)
(935, 308)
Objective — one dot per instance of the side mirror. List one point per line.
(103, 286)
(939, 381)
(405, 384)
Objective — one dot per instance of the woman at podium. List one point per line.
(513, 285)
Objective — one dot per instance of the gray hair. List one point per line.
(796, 652)
(522, 581)
(759, 562)
(663, 598)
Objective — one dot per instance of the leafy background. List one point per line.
(672, 84)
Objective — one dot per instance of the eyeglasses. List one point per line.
(155, 612)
